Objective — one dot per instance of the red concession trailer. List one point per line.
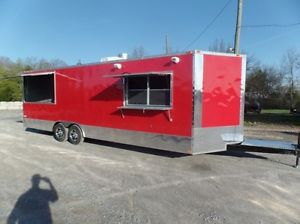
(190, 103)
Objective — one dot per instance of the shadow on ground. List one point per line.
(239, 154)
(140, 149)
(38, 131)
(33, 205)
(249, 152)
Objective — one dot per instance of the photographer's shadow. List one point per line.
(33, 205)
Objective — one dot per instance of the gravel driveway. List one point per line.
(100, 182)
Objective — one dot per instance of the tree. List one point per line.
(10, 90)
(223, 47)
(11, 82)
(252, 63)
(290, 66)
(264, 82)
(220, 46)
(138, 52)
(39, 64)
(6, 63)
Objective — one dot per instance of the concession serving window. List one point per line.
(148, 90)
(39, 88)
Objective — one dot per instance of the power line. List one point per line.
(274, 37)
(271, 25)
(209, 25)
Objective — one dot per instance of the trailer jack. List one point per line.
(297, 157)
(297, 151)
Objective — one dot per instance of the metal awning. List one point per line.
(142, 107)
(138, 74)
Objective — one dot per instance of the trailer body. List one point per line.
(190, 103)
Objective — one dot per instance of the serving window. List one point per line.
(148, 90)
(39, 88)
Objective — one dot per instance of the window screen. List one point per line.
(39, 88)
(148, 90)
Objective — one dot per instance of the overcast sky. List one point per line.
(88, 30)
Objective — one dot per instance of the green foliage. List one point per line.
(275, 103)
(265, 85)
(270, 116)
(10, 90)
(10, 80)
(265, 82)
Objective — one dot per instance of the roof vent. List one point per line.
(121, 56)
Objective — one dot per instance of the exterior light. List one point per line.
(175, 60)
(117, 66)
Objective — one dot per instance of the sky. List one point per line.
(88, 30)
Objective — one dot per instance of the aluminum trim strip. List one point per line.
(243, 89)
(215, 139)
(38, 124)
(198, 88)
(156, 141)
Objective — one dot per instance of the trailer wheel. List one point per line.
(60, 132)
(75, 135)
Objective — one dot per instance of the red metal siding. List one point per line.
(85, 96)
(221, 91)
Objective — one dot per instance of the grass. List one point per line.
(272, 117)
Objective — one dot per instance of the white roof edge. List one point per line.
(37, 73)
(220, 53)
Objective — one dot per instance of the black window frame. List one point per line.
(148, 91)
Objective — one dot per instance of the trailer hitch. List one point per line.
(269, 146)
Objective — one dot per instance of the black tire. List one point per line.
(60, 132)
(75, 135)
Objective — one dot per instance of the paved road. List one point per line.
(100, 182)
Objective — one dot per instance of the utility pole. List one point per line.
(292, 90)
(238, 27)
(167, 45)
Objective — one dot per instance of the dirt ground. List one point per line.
(273, 132)
(101, 182)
